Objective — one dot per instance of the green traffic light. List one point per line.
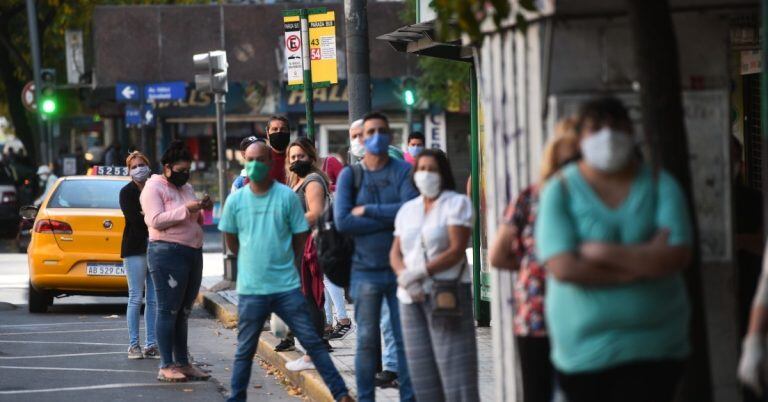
(48, 106)
(410, 97)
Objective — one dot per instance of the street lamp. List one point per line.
(211, 77)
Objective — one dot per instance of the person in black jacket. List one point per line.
(134, 254)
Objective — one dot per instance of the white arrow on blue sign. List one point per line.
(127, 92)
(148, 117)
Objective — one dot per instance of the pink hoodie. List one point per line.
(166, 215)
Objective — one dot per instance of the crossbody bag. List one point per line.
(446, 294)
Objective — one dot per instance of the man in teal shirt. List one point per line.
(264, 225)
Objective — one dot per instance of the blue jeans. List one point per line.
(368, 296)
(136, 271)
(389, 350)
(177, 271)
(334, 299)
(291, 307)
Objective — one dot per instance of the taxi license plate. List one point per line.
(105, 270)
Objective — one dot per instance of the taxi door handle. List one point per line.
(66, 238)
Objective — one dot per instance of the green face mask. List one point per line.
(256, 170)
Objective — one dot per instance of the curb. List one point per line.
(310, 381)
(223, 310)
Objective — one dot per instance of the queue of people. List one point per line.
(598, 246)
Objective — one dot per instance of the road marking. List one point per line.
(55, 324)
(51, 356)
(67, 343)
(63, 332)
(73, 369)
(105, 386)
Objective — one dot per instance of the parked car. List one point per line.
(9, 206)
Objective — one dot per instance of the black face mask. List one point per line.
(279, 140)
(178, 179)
(301, 168)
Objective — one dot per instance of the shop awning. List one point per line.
(420, 39)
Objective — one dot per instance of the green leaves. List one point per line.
(457, 17)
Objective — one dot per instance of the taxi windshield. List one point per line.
(87, 194)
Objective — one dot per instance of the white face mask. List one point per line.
(607, 150)
(140, 173)
(428, 183)
(356, 148)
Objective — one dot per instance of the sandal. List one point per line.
(193, 373)
(175, 375)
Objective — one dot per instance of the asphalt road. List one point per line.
(77, 351)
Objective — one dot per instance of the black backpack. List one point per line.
(335, 249)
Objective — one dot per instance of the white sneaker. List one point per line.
(299, 365)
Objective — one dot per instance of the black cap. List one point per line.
(247, 141)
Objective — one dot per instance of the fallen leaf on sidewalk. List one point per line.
(188, 390)
(294, 391)
(258, 386)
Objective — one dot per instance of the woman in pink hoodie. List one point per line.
(175, 258)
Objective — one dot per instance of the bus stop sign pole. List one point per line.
(307, 65)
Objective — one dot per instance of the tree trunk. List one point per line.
(655, 47)
(13, 88)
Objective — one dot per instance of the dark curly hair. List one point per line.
(605, 111)
(177, 151)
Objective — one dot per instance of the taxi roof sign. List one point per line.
(108, 171)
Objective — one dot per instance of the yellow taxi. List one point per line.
(76, 240)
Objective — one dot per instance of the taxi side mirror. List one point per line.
(28, 212)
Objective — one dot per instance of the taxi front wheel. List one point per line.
(38, 301)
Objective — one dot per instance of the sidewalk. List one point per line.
(223, 305)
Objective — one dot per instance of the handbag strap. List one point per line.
(426, 260)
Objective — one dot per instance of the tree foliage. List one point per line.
(54, 18)
(455, 17)
(443, 83)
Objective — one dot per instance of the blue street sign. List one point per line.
(165, 91)
(127, 92)
(132, 116)
(148, 116)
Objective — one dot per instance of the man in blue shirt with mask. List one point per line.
(368, 215)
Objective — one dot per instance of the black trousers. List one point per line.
(537, 371)
(647, 381)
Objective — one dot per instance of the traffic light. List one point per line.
(212, 67)
(409, 92)
(409, 97)
(48, 103)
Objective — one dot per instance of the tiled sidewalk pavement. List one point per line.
(344, 359)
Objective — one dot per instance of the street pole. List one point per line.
(358, 63)
(34, 42)
(306, 63)
(221, 129)
(409, 118)
(764, 112)
(482, 314)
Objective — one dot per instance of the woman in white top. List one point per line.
(431, 233)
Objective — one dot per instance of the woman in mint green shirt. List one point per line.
(615, 235)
